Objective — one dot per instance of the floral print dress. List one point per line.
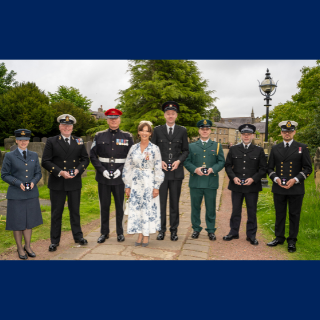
(142, 173)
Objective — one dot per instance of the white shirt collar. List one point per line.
(64, 138)
(285, 143)
(204, 141)
(170, 127)
(247, 145)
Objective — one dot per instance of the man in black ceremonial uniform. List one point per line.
(108, 155)
(289, 165)
(172, 140)
(246, 164)
(65, 158)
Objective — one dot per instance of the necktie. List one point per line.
(204, 144)
(24, 154)
(287, 145)
(246, 147)
(67, 142)
(170, 132)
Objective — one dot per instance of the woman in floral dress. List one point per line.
(142, 175)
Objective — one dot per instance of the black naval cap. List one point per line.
(288, 125)
(22, 134)
(247, 128)
(171, 105)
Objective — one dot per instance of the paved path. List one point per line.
(183, 249)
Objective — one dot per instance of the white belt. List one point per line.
(111, 160)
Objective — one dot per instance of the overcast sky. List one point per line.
(235, 81)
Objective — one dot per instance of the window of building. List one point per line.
(214, 139)
(224, 139)
(257, 135)
(220, 131)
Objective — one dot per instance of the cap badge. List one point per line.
(23, 133)
(67, 118)
(205, 122)
(247, 127)
(170, 105)
(288, 124)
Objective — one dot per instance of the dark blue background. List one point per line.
(160, 30)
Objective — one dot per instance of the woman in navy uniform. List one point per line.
(21, 169)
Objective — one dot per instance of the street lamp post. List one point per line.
(267, 86)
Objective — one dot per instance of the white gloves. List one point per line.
(116, 174)
(106, 174)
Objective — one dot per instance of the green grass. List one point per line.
(308, 244)
(2, 148)
(89, 211)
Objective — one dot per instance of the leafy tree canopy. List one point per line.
(154, 82)
(304, 108)
(84, 120)
(71, 94)
(6, 79)
(25, 106)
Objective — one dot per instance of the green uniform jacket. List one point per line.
(204, 156)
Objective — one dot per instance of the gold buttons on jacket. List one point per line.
(281, 174)
(26, 170)
(290, 175)
(64, 168)
(26, 176)
(281, 162)
(290, 162)
(204, 150)
(169, 148)
(51, 171)
(64, 161)
(244, 154)
(52, 167)
(204, 156)
(281, 166)
(290, 167)
(169, 142)
(74, 167)
(83, 165)
(243, 167)
(244, 162)
(290, 171)
(74, 160)
(26, 164)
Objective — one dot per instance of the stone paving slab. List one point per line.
(106, 257)
(108, 249)
(194, 254)
(189, 258)
(155, 253)
(194, 247)
(71, 254)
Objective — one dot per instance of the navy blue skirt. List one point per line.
(23, 214)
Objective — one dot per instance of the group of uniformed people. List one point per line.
(66, 158)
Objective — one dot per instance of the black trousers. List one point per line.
(174, 187)
(251, 202)
(280, 204)
(105, 202)
(58, 199)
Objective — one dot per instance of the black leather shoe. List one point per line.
(292, 247)
(30, 254)
(53, 246)
(229, 237)
(103, 238)
(195, 235)
(174, 236)
(274, 243)
(25, 257)
(212, 236)
(82, 241)
(161, 235)
(120, 238)
(253, 241)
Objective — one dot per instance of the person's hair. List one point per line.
(145, 124)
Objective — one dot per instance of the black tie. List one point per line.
(170, 132)
(287, 146)
(246, 147)
(24, 154)
(67, 142)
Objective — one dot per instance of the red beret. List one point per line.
(113, 113)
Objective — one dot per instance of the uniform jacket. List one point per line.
(244, 164)
(295, 162)
(58, 156)
(110, 144)
(17, 170)
(174, 148)
(210, 157)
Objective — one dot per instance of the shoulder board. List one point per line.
(102, 131)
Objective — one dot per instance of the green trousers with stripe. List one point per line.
(196, 195)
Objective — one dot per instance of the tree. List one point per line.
(25, 106)
(6, 79)
(84, 120)
(303, 108)
(70, 94)
(215, 114)
(154, 82)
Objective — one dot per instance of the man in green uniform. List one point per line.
(204, 161)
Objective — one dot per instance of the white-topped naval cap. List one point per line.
(288, 123)
(66, 119)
